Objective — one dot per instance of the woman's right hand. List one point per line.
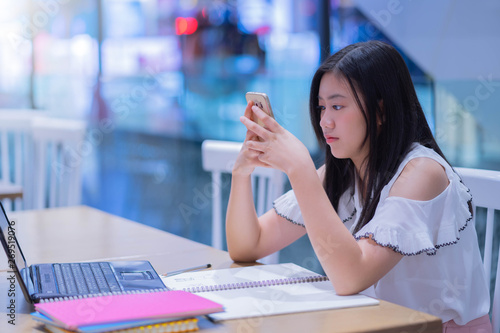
(247, 159)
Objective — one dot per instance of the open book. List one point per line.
(265, 290)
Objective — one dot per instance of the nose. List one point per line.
(326, 120)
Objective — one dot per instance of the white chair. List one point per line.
(15, 156)
(485, 188)
(219, 157)
(59, 150)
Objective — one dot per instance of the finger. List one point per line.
(254, 156)
(254, 127)
(262, 160)
(258, 146)
(251, 136)
(248, 110)
(268, 121)
(261, 163)
(254, 151)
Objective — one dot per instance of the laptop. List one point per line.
(63, 280)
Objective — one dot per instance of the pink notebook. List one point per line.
(126, 307)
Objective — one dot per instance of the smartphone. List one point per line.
(262, 101)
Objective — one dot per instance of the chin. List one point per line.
(338, 154)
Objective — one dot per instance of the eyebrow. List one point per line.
(333, 96)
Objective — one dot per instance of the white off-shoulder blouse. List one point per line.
(441, 272)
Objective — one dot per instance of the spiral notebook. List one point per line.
(126, 310)
(265, 290)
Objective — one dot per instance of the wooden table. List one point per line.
(10, 191)
(86, 234)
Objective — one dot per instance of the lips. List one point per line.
(330, 138)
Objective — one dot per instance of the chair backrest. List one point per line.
(16, 151)
(58, 154)
(484, 186)
(218, 157)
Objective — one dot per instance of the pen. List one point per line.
(196, 268)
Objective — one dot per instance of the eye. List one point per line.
(320, 108)
(337, 107)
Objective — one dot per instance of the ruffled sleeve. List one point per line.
(412, 227)
(287, 207)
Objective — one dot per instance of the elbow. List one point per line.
(346, 291)
(240, 256)
(239, 252)
(347, 288)
(236, 257)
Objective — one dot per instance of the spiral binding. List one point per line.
(256, 284)
(129, 292)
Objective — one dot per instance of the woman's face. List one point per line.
(342, 120)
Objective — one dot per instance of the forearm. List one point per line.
(242, 224)
(335, 247)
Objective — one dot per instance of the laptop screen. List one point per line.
(15, 256)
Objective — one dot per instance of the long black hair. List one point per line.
(381, 84)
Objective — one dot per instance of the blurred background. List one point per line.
(154, 78)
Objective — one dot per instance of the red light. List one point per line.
(185, 25)
(192, 25)
(180, 25)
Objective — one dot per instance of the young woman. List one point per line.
(386, 214)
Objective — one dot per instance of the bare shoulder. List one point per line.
(422, 179)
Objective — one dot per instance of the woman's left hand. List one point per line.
(277, 147)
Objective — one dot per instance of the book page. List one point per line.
(257, 291)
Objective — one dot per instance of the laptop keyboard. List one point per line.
(85, 278)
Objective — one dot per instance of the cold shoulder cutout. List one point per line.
(421, 179)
